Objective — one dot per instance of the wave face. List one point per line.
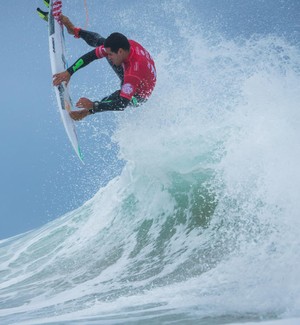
(202, 225)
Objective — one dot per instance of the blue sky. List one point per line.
(41, 178)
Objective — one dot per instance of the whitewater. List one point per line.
(202, 224)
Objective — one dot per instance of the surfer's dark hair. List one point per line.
(116, 41)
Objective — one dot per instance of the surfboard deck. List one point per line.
(59, 64)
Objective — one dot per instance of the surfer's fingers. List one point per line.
(57, 78)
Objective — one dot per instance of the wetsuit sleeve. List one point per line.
(91, 38)
(83, 61)
(114, 102)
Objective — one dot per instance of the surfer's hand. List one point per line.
(84, 103)
(79, 115)
(58, 78)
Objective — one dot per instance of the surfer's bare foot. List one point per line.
(68, 24)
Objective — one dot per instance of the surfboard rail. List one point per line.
(59, 64)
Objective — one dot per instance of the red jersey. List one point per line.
(139, 71)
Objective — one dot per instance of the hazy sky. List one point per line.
(41, 178)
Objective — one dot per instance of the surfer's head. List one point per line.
(117, 48)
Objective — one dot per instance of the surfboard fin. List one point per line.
(42, 14)
(46, 2)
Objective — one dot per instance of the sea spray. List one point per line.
(202, 222)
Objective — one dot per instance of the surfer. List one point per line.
(131, 62)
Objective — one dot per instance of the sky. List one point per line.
(41, 178)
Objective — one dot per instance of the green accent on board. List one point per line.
(80, 154)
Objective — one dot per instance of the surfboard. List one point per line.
(59, 64)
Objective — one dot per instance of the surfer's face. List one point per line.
(116, 58)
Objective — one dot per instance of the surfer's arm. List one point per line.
(80, 63)
(83, 61)
(89, 107)
(113, 102)
(120, 99)
(119, 103)
(91, 38)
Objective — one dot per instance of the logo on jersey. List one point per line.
(127, 89)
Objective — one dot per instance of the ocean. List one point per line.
(201, 226)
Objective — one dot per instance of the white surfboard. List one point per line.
(59, 64)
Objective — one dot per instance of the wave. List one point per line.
(202, 223)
